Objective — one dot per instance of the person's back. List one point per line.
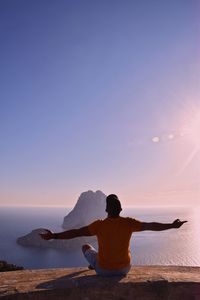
(113, 236)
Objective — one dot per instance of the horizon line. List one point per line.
(123, 206)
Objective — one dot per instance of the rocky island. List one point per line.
(89, 207)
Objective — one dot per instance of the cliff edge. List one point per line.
(142, 283)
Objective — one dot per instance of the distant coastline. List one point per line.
(5, 267)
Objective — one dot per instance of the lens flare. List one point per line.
(155, 139)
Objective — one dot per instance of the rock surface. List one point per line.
(142, 283)
(89, 207)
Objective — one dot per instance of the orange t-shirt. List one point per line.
(113, 236)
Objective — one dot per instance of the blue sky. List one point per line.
(85, 87)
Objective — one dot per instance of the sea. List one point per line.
(180, 247)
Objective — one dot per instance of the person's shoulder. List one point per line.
(133, 223)
(126, 219)
(103, 221)
(95, 223)
(98, 221)
(94, 226)
(129, 220)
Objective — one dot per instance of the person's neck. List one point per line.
(113, 217)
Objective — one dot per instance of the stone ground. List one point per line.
(145, 282)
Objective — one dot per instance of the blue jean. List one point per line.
(91, 256)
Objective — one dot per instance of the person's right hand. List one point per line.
(177, 223)
(46, 236)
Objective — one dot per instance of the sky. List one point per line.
(99, 95)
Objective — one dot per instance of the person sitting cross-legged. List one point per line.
(113, 236)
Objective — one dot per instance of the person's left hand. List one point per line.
(177, 223)
(46, 236)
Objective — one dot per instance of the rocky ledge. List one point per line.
(149, 282)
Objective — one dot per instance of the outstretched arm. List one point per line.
(161, 226)
(66, 235)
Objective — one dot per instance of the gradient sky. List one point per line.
(99, 95)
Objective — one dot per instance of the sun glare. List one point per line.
(191, 129)
(191, 133)
(188, 129)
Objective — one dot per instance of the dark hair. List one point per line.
(113, 205)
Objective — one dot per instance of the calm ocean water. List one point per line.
(170, 247)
